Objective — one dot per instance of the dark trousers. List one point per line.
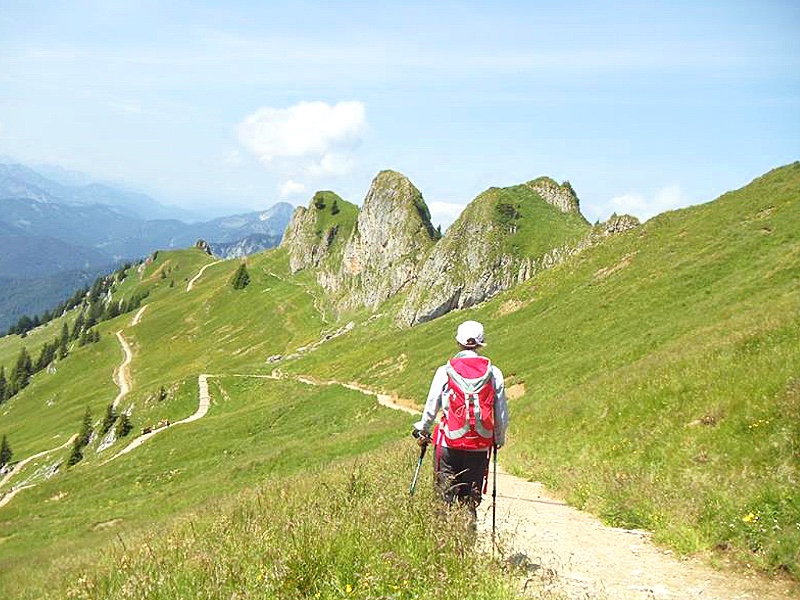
(459, 475)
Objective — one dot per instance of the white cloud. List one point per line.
(314, 136)
(291, 188)
(667, 198)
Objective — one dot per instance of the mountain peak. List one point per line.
(563, 196)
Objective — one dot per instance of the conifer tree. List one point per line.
(123, 425)
(241, 278)
(78, 326)
(108, 421)
(85, 433)
(335, 207)
(5, 452)
(22, 372)
(76, 455)
(3, 385)
(63, 342)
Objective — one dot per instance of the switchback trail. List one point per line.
(191, 283)
(122, 374)
(21, 464)
(204, 402)
(138, 317)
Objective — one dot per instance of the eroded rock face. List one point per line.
(563, 197)
(392, 235)
(390, 247)
(312, 232)
(305, 249)
(477, 257)
(377, 256)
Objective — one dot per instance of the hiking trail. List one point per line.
(191, 283)
(572, 554)
(122, 374)
(204, 402)
(565, 553)
(5, 499)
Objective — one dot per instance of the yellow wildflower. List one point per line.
(750, 518)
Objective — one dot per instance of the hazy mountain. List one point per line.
(47, 227)
(19, 181)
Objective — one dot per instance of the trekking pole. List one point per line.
(494, 498)
(419, 466)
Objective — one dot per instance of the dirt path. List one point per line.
(204, 402)
(122, 374)
(21, 465)
(191, 283)
(577, 557)
(138, 316)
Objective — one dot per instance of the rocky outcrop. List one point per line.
(563, 197)
(393, 234)
(484, 252)
(362, 258)
(315, 232)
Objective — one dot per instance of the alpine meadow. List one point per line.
(655, 369)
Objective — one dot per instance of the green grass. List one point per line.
(349, 530)
(661, 391)
(255, 432)
(695, 314)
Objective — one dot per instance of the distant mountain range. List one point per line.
(49, 227)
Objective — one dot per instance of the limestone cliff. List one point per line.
(563, 197)
(362, 257)
(392, 235)
(315, 236)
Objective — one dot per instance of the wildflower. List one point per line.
(349, 589)
(750, 518)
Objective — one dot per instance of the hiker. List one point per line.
(467, 431)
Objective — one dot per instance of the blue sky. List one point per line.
(229, 106)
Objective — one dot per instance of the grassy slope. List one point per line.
(693, 317)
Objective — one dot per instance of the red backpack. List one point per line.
(468, 404)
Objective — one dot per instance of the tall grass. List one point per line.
(349, 530)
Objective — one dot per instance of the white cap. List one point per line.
(470, 334)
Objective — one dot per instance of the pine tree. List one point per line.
(22, 372)
(123, 425)
(241, 278)
(78, 326)
(5, 452)
(3, 385)
(108, 421)
(76, 455)
(335, 207)
(85, 434)
(63, 342)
